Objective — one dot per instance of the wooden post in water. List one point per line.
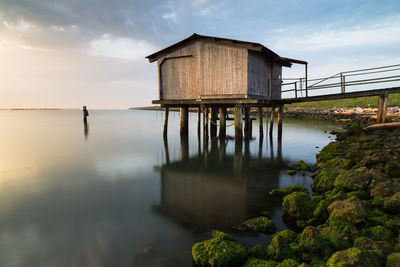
(198, 120)
(280, 117)
(238, 118)
(222, 122)
(246, 124)
(184, 120)
(166, 121)
(205, 123)
(213, 122)
(382, 108)
(271, 124)
(260, 118)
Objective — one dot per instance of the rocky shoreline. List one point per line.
(352, 217)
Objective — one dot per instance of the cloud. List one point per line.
(383, 32)
(121, 47)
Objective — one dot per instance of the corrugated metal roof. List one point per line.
(244, 44)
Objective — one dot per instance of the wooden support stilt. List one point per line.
(246, 124)
(222, 150)
(222, 123)
(184, 121)
(238, 122)
(271, 124)
(166, 121)
(280, 117)
(199, 121)
(166, 149)
(213, 122)
(205, 123)
(260, 119)
(382, 108)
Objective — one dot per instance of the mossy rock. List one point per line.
(324, 181)
(331, 151)
(281, 192)
(378, 202)
(279, 248)
(301, 166)
(385, 189)
(338, 163)
(354, 179)
(291, 172)
(261, 224)
(361, 194)
(290, 263)
(379, 232)
(378, 217)
(392, 205)
(312, 242)
(357, 257)
(350, 210)
(393, 260)
(368, 243)
(257, 252)
(392, 168)
(253, 262)
(219, 251)
(298, 205)
(340, 235)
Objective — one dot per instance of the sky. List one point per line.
(70, 53)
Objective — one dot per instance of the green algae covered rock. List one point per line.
(385, 189)
(350, 210)
(220, 250)
(324, 181)
(281, 192)
(354, 179)
(311, 241)
(393, 260)
(392, 168)
(280, 246)
(379, 232)
(331, 151)
(253, 262)
(392, 205)
(291, 172)
(301, 166)
(257, 252)
(290, 263)
(357, 257)
(368, 243)
(338, 163)
(339, 235)
(261, 224)
(298, 205)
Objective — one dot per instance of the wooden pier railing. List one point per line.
(343, 82)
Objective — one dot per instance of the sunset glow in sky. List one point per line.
(57, 53)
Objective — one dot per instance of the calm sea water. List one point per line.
(115, 194)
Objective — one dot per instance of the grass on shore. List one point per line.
(363, 102)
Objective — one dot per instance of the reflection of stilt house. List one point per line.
(210, 72)
(217, 190)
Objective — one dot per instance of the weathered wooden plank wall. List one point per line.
(259, 74)
(179, 74)
(223, 71)
(276, 81)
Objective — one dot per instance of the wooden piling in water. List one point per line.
(246, 124)
(166, 121)
(260, 118)
(205, 123)
(271, 125)
(184, 120)
(238, 118)
(222, 122)
(280, 117)
(213, 122)
(198, 121)
(382, 108)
